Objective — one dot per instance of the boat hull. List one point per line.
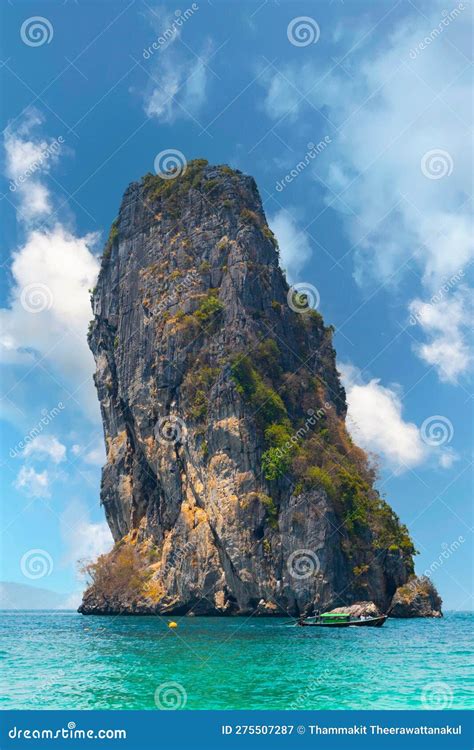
(372, 622)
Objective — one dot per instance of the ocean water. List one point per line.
(62, 660)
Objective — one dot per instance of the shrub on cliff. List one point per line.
(113, 236)
(209, 308)
(119, 575)
(267, 403)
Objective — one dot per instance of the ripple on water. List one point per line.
(63, 660)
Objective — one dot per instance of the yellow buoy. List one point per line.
(172, 624)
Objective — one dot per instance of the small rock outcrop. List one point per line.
(359, 609)
(417, 598)
(231, 485)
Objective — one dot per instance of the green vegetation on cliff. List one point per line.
(113, 236)
(174, 189)
(318, 455)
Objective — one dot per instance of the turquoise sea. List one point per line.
(62, 660)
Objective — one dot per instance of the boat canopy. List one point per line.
(335, 616)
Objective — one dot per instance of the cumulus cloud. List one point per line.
(49, 307)
(94, 455)
(28, 157)
(32, 483)
(43, 325)
(448, 458)
(83, 538)
(46, 317)
(295, 249)
(375, 421)
(398, 163)
(45, 446)
(447, 324)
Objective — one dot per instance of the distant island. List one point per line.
(15, 596)
(231, 484)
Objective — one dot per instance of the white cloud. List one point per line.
(281, 98)
(94, 455)
(83, 539)
(32, 483)
(167, 30)
(448, 458)
(178, 78)
(28, 157)
(178, 88)
(48, 311)
(36, 200)
(159, 101)
(394, 109)
(45, 446)
(49, 307)
(375, 421)
(295, 249)
(447, 326)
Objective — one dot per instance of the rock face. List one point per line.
(417, 598)
(231, 485)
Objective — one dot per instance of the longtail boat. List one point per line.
(340, 620)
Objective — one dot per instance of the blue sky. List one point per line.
(354, 119)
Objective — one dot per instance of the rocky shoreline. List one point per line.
(418, 598)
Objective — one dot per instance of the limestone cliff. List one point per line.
(231, 485)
